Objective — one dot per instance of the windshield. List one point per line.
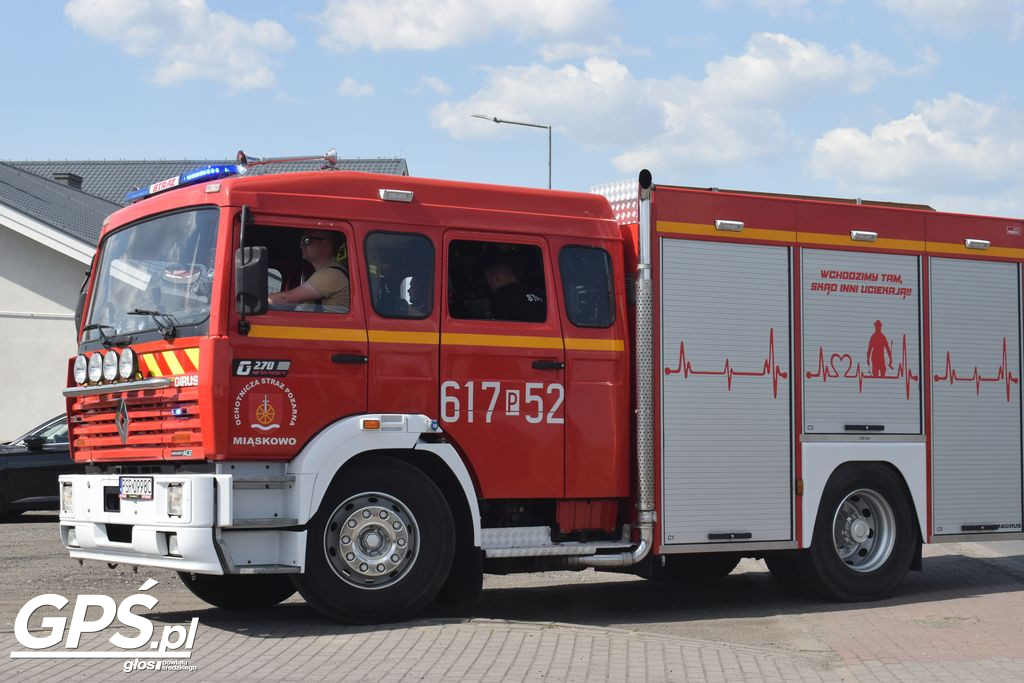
(154, 275)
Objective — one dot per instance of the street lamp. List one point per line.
(522, 123)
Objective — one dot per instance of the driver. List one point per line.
(327, 288)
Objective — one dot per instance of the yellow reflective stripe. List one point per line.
(173, 363)
(193, 355)
(948, 248)
(506, 340)
(392, 337)
(312, 333)
(709, 231)
(154, 368)
(582, 344)
(802, 237)
(431, 338)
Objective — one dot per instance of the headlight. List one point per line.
(81, 369)
(128, 365)
(174, 499)
(96, 367)
(67, 498)
(110, 363)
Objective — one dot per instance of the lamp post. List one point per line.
(528, 125)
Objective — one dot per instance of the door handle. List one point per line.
(548, 365)
(349, 358)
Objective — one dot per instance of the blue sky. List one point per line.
(899, 100)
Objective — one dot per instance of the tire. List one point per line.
(398, 555)
(234, 591)
(465, 580)
(864, 537)
(697, 569)
(785, 569)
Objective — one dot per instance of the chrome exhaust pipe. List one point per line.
(646, 515)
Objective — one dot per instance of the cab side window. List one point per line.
(587, 286)
(308, 268)
(401, 271)
(496, 281)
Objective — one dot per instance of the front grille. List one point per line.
(161, 424)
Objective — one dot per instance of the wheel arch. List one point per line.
(821, 462)
(344, 444)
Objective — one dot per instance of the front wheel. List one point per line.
(233, 591)
(381, 545)
(864, 537)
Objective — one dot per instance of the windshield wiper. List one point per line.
(166, 324)
(104, 339)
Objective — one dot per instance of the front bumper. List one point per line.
(207, 535)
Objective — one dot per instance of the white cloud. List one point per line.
(568, 50)
(734, 114)
(436, 24)
(958, 17)
(188, 40)
(945, 148)
(349, 87)
(434, 84)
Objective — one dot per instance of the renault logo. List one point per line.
(122, 420)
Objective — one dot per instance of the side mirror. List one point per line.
(34, 443)
(80, 304)
(251, 281)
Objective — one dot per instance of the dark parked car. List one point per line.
(30, 466)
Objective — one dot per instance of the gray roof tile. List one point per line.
(112, 179)
(71, 211)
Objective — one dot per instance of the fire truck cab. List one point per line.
(371, 389)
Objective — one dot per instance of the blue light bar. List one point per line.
(192, 177)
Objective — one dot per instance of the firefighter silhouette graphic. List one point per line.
(878, 349)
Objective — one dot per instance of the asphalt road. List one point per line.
(961, 617)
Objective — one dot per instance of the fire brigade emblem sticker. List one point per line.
(122, 420)
(264, 406)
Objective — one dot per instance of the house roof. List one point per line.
(112, 179)
(70, 211)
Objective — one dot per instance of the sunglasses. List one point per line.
(306, 241)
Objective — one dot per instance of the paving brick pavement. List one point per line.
(499, 650)
(961, 619)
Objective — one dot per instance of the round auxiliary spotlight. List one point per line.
(96, 367)
(81, 369)
(110, 361)
(129, 364)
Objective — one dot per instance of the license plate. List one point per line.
(135, 488)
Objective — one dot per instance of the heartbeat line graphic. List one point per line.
(768, 369)
(841, 365)
(1002, 375)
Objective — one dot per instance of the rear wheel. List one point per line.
(233, 591)
(864, 537)
(381, 545)
(785, 569)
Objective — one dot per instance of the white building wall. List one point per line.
(38, 290)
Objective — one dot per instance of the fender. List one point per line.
(321, 459)
(821, 459)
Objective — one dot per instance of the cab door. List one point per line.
(502, 394)
(297, 370)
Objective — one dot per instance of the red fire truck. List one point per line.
(504, 379)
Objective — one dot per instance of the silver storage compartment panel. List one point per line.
(976, 409)
(726, 428)
(861, 343)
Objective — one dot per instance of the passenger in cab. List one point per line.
(510, 299)
(327, 289)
